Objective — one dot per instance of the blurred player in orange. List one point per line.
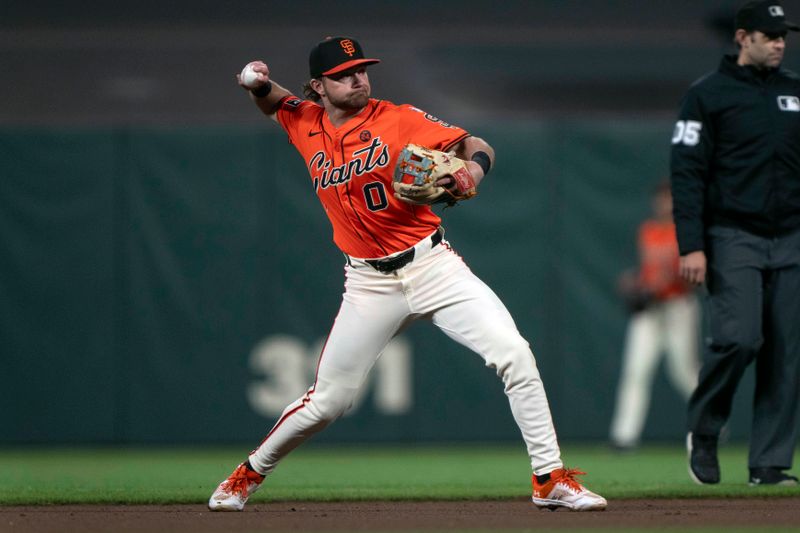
(664, 320)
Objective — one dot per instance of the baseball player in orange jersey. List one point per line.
(664, 320)
(398, 266)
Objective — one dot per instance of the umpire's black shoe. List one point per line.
(771, 476)
(703, 463)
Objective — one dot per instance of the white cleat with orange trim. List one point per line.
(232, 494)
(564, 490)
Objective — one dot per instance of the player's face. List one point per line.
(762, 49)
(349, 89)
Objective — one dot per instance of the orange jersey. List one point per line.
(660, 260)
(352, 168)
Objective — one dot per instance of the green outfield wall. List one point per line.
(175, 285)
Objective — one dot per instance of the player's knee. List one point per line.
(513, 359)
(331, 402)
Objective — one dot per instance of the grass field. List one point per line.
(324, 473)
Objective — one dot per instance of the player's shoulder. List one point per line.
(415, 112)
(292, 104)
(295, 114)
(409, 108)
(388, 106)
(398, 110)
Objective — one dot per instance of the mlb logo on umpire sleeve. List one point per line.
(789, 103)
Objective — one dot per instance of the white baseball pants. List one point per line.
(375, 307)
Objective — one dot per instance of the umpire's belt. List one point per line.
(394, 262)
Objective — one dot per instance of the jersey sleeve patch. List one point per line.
(290, 103)
(437, 120)
(420, 127)
(431, 118)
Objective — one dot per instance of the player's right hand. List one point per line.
(262, 71)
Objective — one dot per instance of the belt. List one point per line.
(390, 264)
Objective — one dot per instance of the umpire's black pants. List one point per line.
(754, 311)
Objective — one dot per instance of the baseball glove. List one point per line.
(424, 176)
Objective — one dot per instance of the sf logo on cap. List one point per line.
(347, 46)
(776, 11)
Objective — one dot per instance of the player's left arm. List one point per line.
(477, 154)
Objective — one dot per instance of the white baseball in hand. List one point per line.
(249, 77)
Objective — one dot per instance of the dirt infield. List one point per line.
(400, 516)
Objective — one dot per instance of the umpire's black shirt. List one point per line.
(736, 154)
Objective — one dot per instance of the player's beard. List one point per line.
(353, 101)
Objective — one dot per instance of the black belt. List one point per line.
(399, 261)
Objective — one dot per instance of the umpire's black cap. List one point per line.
(766, 16)
(336, 54)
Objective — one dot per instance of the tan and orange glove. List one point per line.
(424, 176)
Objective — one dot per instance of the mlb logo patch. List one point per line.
(776, 11)
(789, 103)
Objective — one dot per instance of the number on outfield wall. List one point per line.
(284, 366)
(687, 132)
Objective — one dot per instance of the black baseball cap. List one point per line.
(336, 54)
(766, 16)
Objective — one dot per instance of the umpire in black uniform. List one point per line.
(735, 172)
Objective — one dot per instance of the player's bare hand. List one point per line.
(693, 267)
(447, 182)
(253, 75)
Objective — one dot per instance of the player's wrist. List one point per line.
(262, 90)
(483, 160)
(475, 171)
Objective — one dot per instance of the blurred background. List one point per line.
(166, 272)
